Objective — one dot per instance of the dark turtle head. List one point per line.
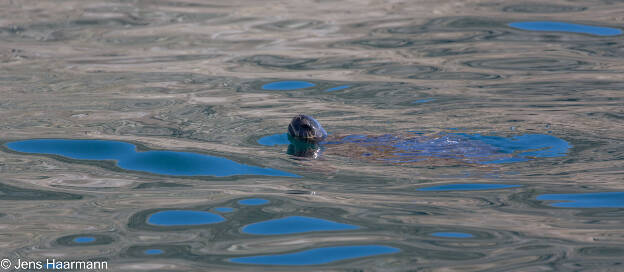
(306, 128)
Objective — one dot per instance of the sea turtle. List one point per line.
(307, 138)
(305, 135)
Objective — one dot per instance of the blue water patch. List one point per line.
(423, 100)
(566, 27)
(523, 147)
(76, 149)
(337, 88)
(318, 255)
(84, 239)
(153, 251)
(224, 209)
(275, 139)
(468, 187)
(253, 201)
(287, 85)
(586, 200)
(452, 234)
(295, 224)
(183, 218)
(157, 162)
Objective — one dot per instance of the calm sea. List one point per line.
(463, 135)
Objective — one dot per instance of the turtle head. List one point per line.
(306, 128)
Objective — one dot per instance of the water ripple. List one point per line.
(481, 147)
(126, 157)
(528, 64)
(318, 255)
(542, 8)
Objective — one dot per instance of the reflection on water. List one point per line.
(542, 8)
(337, 88)
(224, 209)
(423, 100)
(525, 146)
(153, 251)
(452, 234)
(528, 179)
(467, 187)
(287, 85)
(318, 255)
(183, 217)
(585, 200)
(275, 139)
(295, 224)
(253, 201)
(126, 156)
(302, 148)
(566, 27)
(84, 239)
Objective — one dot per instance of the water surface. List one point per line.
(585, 200)
(84, 239)
(452, 234)
(566, 27)
(153, 251)
(337, 88)
(501, 120)
(295, 224)
(183, 218)
(318, 255)
(468, 187)
(287, 85)
(253, 202)
(158, 162)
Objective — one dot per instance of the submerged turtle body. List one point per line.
(308, 139)
(438, 149)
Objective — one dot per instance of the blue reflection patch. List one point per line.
(224, 209)
(253, 201)
(76, 149)
(318, 255)
(157, 162)
(423, 100)
(524, 147)
(295, 224)
(287, 85)
(587, 200)
(566, 27)
(84, 239)
(337, 88)
(467, 187)
(183, 218)
(153, 251)
(275, 139)
(452, 234)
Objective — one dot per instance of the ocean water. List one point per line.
(463, 135)
(125, 156)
